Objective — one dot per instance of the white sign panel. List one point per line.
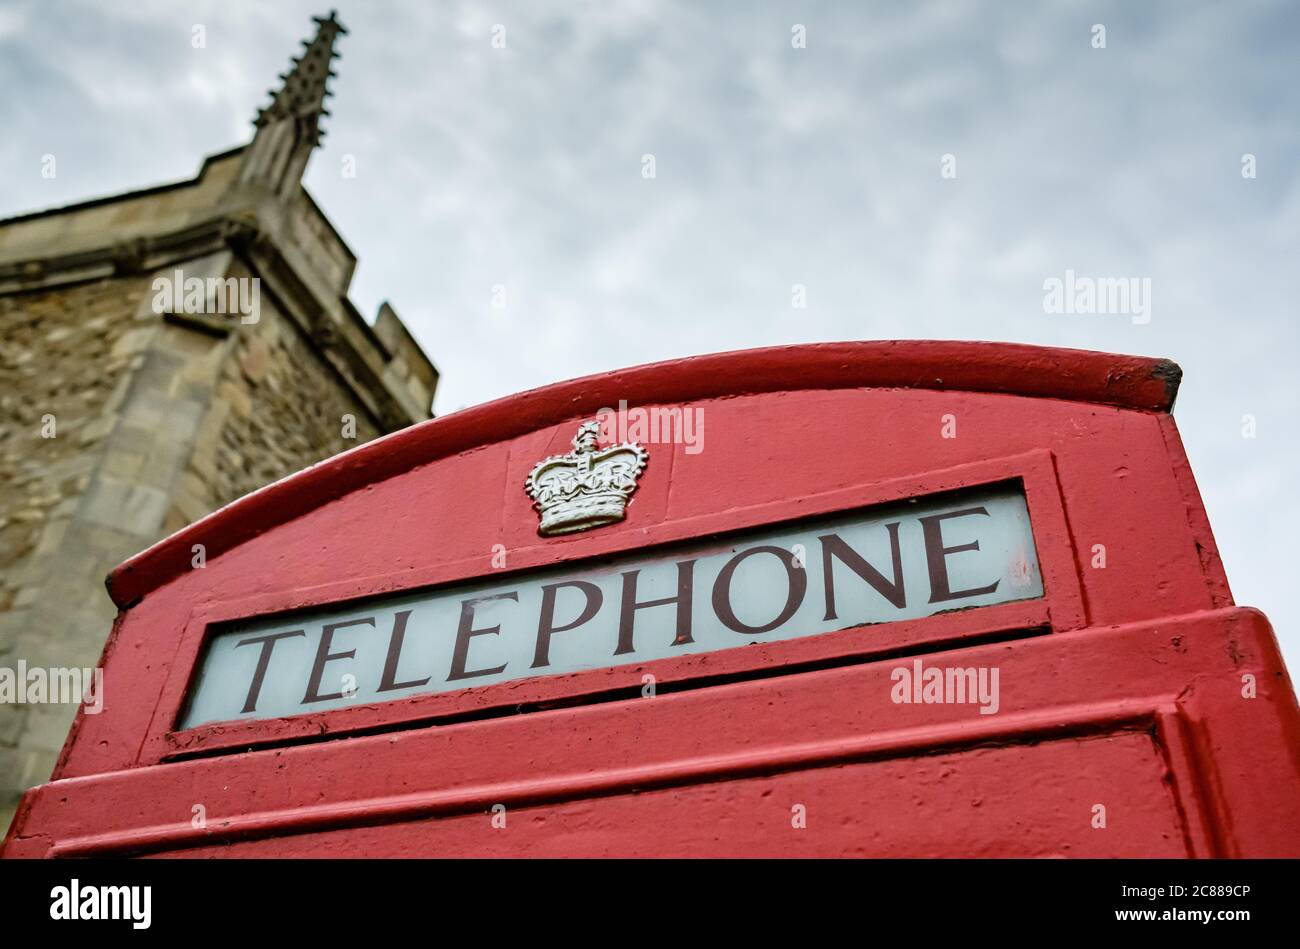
(877, 565)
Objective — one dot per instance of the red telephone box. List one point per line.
(880, 599)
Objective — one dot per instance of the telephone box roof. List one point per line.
(1128, 382)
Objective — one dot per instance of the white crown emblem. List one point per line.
(588, 487)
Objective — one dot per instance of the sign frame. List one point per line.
(1060, 608)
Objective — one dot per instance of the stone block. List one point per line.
(132, 437)
(181, 420)
(255, 358)
(48, 724)
(96, 429)
(135, 508)
(191, 507)
(36, 765)
(146, 414)
(51, 538)
(237, 397)
(124, 464)
(185, 342)
(13, 719)
(134, 340)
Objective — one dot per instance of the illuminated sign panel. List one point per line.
(900, 561)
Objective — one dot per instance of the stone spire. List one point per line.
(289, 128)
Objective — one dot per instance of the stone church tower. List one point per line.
(163, 352)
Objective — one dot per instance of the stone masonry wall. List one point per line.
(65, 353)
(59, 356)
(278, 409)
(158, 421)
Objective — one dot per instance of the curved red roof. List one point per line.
(1130, 382)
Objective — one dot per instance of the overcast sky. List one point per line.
(522, 167)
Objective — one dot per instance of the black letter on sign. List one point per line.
(323, 655)
(627, 616)
(936, 552)
(796, 577)
(834, 546)
(546, 624)
(466, 630)
(264, 660)
(389, 681)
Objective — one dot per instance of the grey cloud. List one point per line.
(776, 166)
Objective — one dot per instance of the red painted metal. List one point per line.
(1122, 687)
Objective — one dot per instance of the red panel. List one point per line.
(953, 803)
(1176, 685)
(1122, 687)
